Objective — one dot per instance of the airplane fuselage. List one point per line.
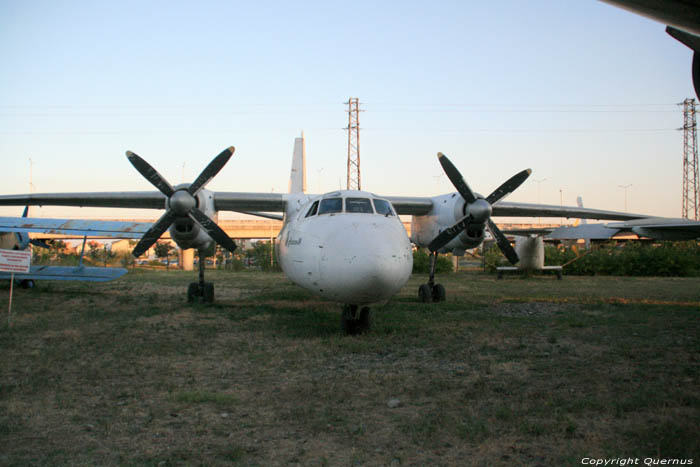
(346, 246)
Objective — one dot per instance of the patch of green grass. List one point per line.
(511, 372)
(205, 397)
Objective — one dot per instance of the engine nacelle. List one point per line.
(186, 232)
(530, 250)
(447, 210)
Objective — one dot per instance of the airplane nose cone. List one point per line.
(366, 262)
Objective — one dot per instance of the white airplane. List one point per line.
(346, 246)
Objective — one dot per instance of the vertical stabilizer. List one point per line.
(297, 180)
(579, 202)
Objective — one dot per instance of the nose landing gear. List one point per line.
(355, 320)
(432, 292)
(201, 290)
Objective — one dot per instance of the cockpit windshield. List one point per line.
(351, 205)
(361, 205)
(330, 206)
(383, 207)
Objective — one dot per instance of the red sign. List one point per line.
(15, 261)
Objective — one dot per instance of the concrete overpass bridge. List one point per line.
(265, 229)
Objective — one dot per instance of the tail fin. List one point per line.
(579, 201)
(297, 180)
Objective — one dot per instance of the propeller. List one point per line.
(478, 208)
(182, 203)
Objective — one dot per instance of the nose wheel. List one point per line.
(200, 291)
(355, 320)
(432, 292)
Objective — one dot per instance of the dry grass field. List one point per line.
(515, 372)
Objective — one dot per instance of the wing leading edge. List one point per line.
(223, 201)
(79, 228)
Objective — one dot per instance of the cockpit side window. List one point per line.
(383, 207)
(312, 210)
(361, 205)
(330, 205)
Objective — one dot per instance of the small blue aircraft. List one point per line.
(13, 239)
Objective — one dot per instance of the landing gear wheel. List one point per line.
(425, 294)
(208, 292)
(438, 293)
(364, 322)
(192, 292)
(195, 292)
(354, 322)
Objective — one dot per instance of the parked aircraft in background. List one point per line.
(13, 239)
(346, 246)
(682, 18)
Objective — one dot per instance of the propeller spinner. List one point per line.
(478, 209)
(182, 202)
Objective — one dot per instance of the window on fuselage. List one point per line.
(312, 210)
(383, 207)
(330, 206)
(361, 205)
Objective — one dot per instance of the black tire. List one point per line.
(349, 320)
(193, 292)
(27, 284)
(438, 293)
(424, 294)
(364, 321)
(208, 292)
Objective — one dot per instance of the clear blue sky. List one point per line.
(580, 91)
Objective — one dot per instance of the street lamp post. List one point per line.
(624, 187)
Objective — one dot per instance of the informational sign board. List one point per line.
(15, 261)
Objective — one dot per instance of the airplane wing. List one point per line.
(419, 206)
(682, 18)
(511, 209)
(79, 228)
(682, 14)
(528, 232)
(68, 273)
(223, 201)
(276, 202)
(655, 228)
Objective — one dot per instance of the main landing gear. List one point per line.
(355, 320)
(201, 290)
(432, 292)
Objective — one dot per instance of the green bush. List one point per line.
(421, 263)
(493, 258)
(630, 259)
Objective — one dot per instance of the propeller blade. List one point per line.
(39, 243)
(150, 174)
(211, 170)
(456, 178)
(448, 234)
(213, 229)
(509, 186)
(154, 233)
(503, 242)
